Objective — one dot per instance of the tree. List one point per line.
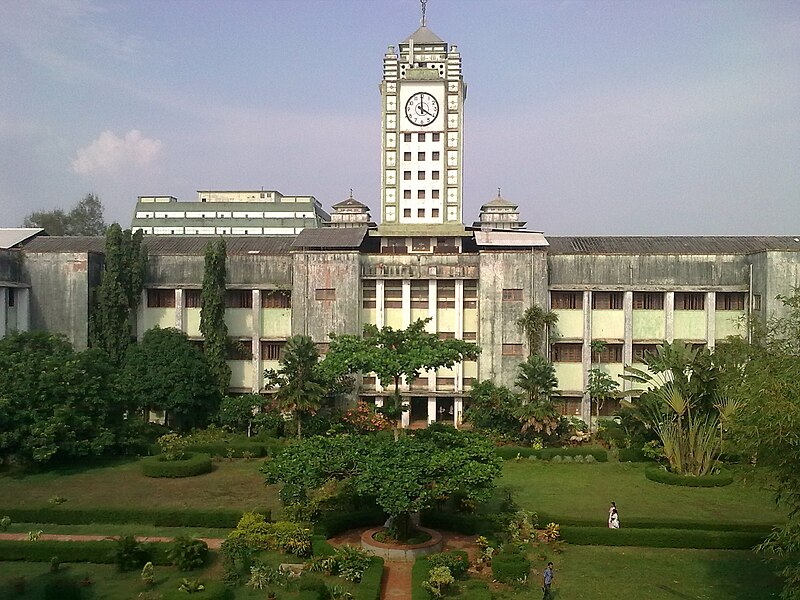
(404, 476)
(298, 382)
(393, 354)
(54, 402)
(537, 379)
(681, 403)
(119, 292)
(236, 412)
(602, 387)
(764, 377)
(167, 372)
(493, 408)
(85, 218)
(534, 322)
(212, 314)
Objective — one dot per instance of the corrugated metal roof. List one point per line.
(680, 244)
(189, 245)
(11, 236)
(331, 237)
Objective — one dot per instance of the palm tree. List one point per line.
(299, 385)
(534, 323)
(537, 379)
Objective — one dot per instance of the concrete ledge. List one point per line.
(398, 552)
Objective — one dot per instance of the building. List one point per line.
(421, 262)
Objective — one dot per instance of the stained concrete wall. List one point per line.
(10, 267)
(774, 273)
(250, 272)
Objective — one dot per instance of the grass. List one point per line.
(116, 529)
(584, 491)
(232, 484)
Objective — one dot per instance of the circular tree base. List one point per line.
(401, 552)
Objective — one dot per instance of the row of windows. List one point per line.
(421, 194)
(243, 349)
(165, 298)
(420, 157)
(647, 300)
(421, 137)
(420, 294)
(421, 212)
(612, 353)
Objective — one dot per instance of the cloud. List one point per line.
(110, 153)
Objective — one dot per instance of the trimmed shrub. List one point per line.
(456, 561)
(129, 554)
(187, 553)
(231, 449)
(102, 552)
(159, 517)
(508, 567)
(193, 464)
(760, 528)
(661, 538)
(512, 452)
(370, 586)
(661, 476)
(632, 455)
(333, 524)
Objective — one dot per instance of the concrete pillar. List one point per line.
(3, 311)
(380, 320)
(432, 324)
(406, 418)
(140, 316)
(458, 411)
(179, 309)
(458, 368)
(669, 315)
(627, 348)
(406, 302)
(257, 377)
(431, 409)
(586, 356)
(711, 321)
(23, 309)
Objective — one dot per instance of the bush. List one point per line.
(63, 588)
(512, 452)
(102, 552)
(159, 517)
(456, 561)
(509, 567)
(282, 535)
(661, 476)
(661, 538)
(231, 449)
(370, 586)
(632, 455)
(129, 554)
(188, 554)
(192, 464)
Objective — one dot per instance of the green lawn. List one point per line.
(117, 529)
(233, 484)
(584, 491)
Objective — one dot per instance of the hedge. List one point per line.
(633, 455)
(370, 586)
(459, 523)
(335, 523)
(600, 522)
(101, 552)
(661, 538)
(508, 567)
(321, 547)
(193, 464)
(159, 517)
(661, 476)
(509, 452)
(223, 449)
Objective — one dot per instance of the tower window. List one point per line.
(420, 194)
(434, 156)
(407, 175)
(421, 137)
(435, 194)
(435, 175)
(420, 212)
(435, 137)
(421, 175)
(406, 212)
(420, 156)
(435, 212)
(407, 194)
(406, 137)
(406, 155)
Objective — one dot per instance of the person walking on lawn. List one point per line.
(547, 581)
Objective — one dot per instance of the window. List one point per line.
(160, 298)
(323, 347)
(566, 300)
(435, 175)
(470, 295)
(730, 301)
(420, 213)
(407, 211)
(421, 175)
(435, 194)
(12, 297)
(434, 212)
(421, 137)
(690, 301)
(368, 381)
(406, 137)
(419, 294)
(470, 336)
(421, 244)
(420, 194)
(639, 350)
(446, 294)
(325, 294)
(512, 350)
(434, 156)
(191, 298)
(756, 301)
(393, 294)
(570, 406)
(407, 175)
(512, 295)
(238, 299)
(271, 350)
(607, 300)
(369, 295)
(276, 299)
(445, 382)
(420, 156)
(446, 335)
(419, 383)
(612, 353)
(406, 155)
(566, 352)
(407, 195)
(435, 137)
(239, 350)
(648, 301)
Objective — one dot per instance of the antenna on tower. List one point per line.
(423, 3)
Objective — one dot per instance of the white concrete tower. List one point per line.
(422, 95)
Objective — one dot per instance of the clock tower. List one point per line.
(422, 95)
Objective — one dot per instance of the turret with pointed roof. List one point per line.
(499, 213)
(350, 213)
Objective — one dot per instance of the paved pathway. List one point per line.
(212, 542)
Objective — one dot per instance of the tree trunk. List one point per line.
(402, 526)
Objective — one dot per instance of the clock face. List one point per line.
(422, 109)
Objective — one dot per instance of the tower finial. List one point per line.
(498, 192)
(351, 192)
(423, 3)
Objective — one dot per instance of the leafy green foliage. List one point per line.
(537, 379)
(85, 218)
(258, 534)
(493, 408)
(439, 579)
(187, 553)
(54, 402)
(236, 413)
(602, 388)
(534, 323)
(212, 314)
(456, 561)
(129, 554)
(179, 380)
(124, 266)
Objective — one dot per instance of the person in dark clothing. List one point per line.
(547, 581)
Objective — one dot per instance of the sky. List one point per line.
(648, 117)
